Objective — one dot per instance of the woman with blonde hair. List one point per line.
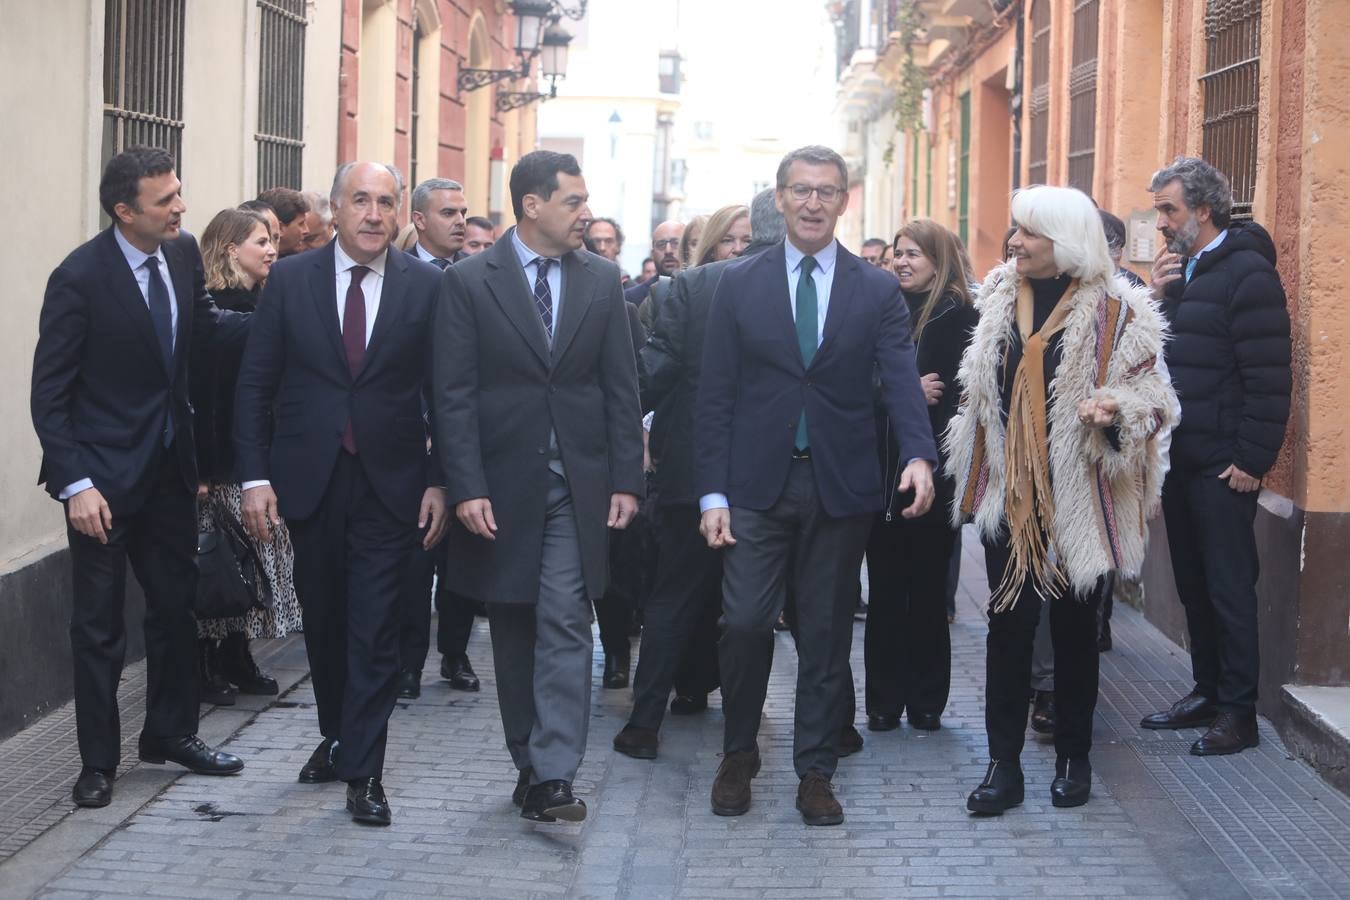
(1053, 451)
(689, 239)
(237, 253)
(906, 644)
(726, 235)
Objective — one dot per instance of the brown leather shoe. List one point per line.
(1189, 712)
(815, 801)
(731, 787)
(849, 742)
(1232, 732)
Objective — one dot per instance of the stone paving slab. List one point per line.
(1161, 823)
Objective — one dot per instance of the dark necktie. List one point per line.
(354, 339)
(161, 316)
(807, 337)
(543, 297)
(440, 263)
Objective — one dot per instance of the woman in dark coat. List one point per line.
(238, 250)
(907, 649)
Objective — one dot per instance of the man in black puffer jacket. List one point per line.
(1229, 361)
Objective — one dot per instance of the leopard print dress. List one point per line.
(277, 559)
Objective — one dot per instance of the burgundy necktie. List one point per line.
(354, 339)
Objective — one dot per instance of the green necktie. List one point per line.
(807, 315)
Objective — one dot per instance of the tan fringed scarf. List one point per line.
(1029, 503)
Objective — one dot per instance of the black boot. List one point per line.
(616, 672)
(1002, 789)
(1043, 713)
(1073, 782)
(211, 687)
(237, 667)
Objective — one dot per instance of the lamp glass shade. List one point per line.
(530, 16)
(554, 58)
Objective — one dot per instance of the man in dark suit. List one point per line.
(539, 432)
(341, 350)
(120, 319)
(438, 213)
(680, 617)
(785, 445)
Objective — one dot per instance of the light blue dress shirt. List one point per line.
(527, 259)
(1195, 260)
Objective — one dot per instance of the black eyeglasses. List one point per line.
(672, 243)
(827, 193)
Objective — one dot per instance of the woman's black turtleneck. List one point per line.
(212, 384)
(1045, 293)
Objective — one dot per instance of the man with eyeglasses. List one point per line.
(666, 255)
(786, 467)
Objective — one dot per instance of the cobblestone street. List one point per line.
(1161, 823)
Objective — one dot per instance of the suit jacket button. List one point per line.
(542, 450)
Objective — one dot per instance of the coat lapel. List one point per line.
(506, 282)
(127, 292)
(323, 291)
(180, 272)
(779, 317)
(578, 285)
(391, 304)
(846, 275)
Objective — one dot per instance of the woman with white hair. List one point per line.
(1052, 451)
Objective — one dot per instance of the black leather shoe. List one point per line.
(409, 685)
(1043, 713)
(94, 788)
(367, 803)
(639, 743)
(1002, 789)
(550, 801)
(522, 785)
(688, 706)
(211, 686)
(616, 672)
(322, 767)
(1191, 711)
(191, 753)
(1073, 783)
(882, 722)
(456, 670)
(236, 665)
(1232, 732)
(850, 741)
(925, 721)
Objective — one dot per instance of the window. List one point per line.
(281, 91)
(963, 211)
(143, 76)
(1083, 96)
(1038, 106)
(416, 95)
(914, 180)
(1232, 92)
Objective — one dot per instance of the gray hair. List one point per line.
(319, 205)
(421, 194)
(767, 225)
(340, 176)
(814, 154)
(1201, 185)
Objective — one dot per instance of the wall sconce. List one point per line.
(553, 62)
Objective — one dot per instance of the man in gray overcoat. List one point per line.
(539, 429)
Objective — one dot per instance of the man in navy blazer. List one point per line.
(786, 456)
(121, 318)
(330, 434)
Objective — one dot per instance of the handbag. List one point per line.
(230, 575)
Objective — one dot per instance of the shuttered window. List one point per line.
(143, 76)
(963, 211)
(281, 91)
(1038, 106)
(1232, 94)
(1083, 95)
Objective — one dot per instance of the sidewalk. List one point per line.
(1161, 822)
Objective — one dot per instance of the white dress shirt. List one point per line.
(422, 253)
(371, 287)
(136, 262)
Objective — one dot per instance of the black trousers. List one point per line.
(454, 623)
(1073, 629)
(907, 649)
(350, 557)
(1215, 563)
(160, 540)
(824, 554)
(614, 610)
(680, 620)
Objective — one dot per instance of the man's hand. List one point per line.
(1098, 412)
(260, 512)
(432, 516)
(1166, 269)
(1239, 480)
(89, 514)
(932, 388)
(917, 476)
(716, 528)
(476, 516)
(622, 509)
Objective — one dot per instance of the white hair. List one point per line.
(1069, 218)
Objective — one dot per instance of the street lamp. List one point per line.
(530, 18)
(553, 63)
